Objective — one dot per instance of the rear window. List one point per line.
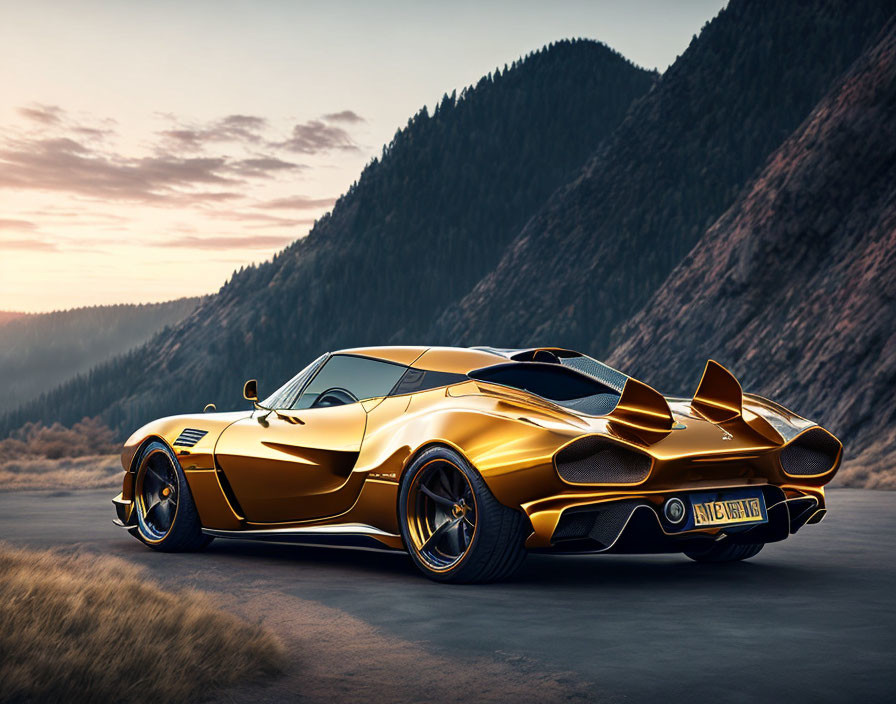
(562, 385)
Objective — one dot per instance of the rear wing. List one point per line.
(719, 397)
(642, 410)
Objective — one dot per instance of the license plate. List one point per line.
(725, 509)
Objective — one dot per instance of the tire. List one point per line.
(731, 552)
(487, 548)
(167, 519)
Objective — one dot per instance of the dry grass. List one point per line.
(38, 456)
(872, 468)
(86, 437)
(93, 629)
(91, 472)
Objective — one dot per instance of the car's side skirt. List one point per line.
(356, 536)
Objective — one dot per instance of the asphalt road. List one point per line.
(809, 619)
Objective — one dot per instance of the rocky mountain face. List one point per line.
(599, 248)
(794, 287)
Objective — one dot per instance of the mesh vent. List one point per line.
(597, 370)
(574, 525)
(813, 452)
(602, 524)
(595, 460)
(611, 520)
(189, 437)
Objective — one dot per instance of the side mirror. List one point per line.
(250, 390)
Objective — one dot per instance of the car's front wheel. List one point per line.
(166, 515)
(452, 525)
(733, 552)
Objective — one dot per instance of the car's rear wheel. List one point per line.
(453, 527)
(166, 515)
(731, 552)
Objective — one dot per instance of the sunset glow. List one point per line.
(150, 149)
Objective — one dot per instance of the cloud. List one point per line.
(53, 117)
(260, 220)
(27, 245)
(188, 165)
(44, 114)
(93, 132)
(230, 242)
(232, 128)
(316, 136)
(73, 166)
(265, 166)
(297, 203)
(64, 164)
(348, 116)
(17, 225)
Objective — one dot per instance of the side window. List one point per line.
(361, 377)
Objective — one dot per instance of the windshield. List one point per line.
(554, 382)
(286, 395)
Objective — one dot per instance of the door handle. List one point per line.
(294, 420)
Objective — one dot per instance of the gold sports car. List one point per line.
(467, 458)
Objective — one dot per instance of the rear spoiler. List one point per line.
(642, 410)
(719, 397)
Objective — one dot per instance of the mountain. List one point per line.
(6, 316)
(40, 351)
(795, 285)
(421, 226)
(595, 253)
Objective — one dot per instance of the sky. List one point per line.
(149, 149)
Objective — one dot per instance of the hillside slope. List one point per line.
(6, 316)
(40, 351)
(423, 223)
(795, 286)
(596, 252)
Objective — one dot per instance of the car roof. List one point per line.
(441, 359)
(461, 360)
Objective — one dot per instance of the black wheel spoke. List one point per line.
(445, 518)
(446, 483)
(439, 532)
(164, 514)
(459, 537)
(157, 486)
(436, 497)
(150, 511)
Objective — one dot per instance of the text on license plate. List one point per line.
(727, 511)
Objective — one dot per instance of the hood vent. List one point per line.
(189, 437)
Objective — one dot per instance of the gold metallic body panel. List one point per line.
(342, 465)
(284, 470)
(399, 355)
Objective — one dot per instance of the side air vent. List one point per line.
(189, 437)
(812, 453)
(594, 460)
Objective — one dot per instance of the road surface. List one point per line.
(809, 619)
